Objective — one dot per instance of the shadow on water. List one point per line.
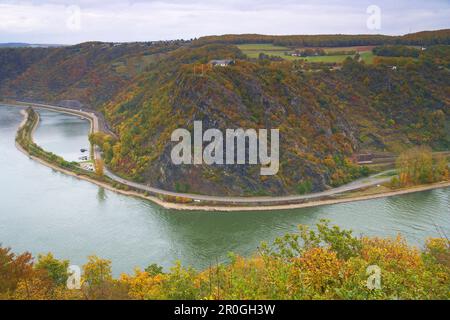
(212, 235)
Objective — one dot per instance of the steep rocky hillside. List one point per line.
(323, 117)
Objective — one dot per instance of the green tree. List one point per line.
(154, 269)
(55, 269)
(97, 271)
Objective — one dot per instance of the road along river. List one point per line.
(230, 203)
(43, 210)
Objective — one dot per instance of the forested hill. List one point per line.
(326, 112)
(424, 38)
(91, 72)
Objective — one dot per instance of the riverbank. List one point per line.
(205, 206)
(32, 128)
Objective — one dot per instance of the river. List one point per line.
(42, 210)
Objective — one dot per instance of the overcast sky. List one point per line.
(68, 22)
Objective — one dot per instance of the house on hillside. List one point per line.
(221, 63)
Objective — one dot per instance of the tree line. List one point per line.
(424, 38)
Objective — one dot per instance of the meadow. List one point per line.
(253, 50)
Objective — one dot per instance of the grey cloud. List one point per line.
(114, 20)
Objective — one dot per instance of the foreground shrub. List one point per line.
(324, 263)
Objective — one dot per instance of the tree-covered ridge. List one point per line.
(14, 61)
(397, 51)
(424, 38)
(323, 117)
(90, 72)
(326, 263)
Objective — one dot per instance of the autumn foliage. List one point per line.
(417, 166)
(326, 113)
(99, 167)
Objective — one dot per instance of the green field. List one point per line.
(261, 47)
(353, 48)
(367, 57)
(328, 59)
(253, 50)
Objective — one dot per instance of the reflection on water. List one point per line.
(42, 210)
(101, 194)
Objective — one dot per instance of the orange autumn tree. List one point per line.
(99, 167)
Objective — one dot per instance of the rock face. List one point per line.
(222, 108)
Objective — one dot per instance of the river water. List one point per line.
(42, 211)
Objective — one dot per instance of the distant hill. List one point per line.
(91, 72)
(27, 45)
(424, 38)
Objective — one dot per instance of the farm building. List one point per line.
(221, 63)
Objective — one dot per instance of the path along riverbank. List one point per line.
(213, 203)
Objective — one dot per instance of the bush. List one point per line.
(304, 187)
(321, 263)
